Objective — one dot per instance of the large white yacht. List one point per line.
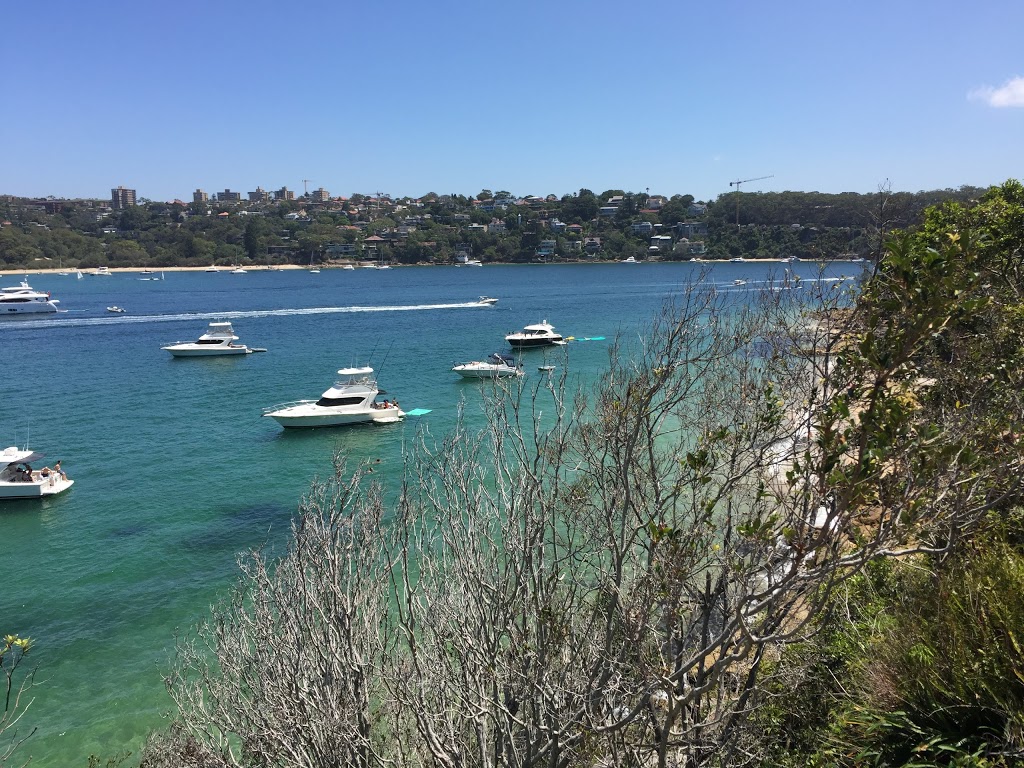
(219, 339)
(24, 299)
(495, 366)
(536, 335)
(19, 481)
(352, 400)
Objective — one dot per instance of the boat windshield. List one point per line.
(335, 401)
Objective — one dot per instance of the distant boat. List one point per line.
(219, 339)
(488, 300)
(238, 271)
(212, 268)
(116, 309)
(629, 260)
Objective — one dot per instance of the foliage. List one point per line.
(809, 226)
(15, 687)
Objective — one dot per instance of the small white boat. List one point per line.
(488, 300)
(495, 366)
(629, 260)
(212, 269)
(19, 481)
(102, 272)
(352, 400)
(238, 271)
(24, 299)
(116, 309)
(739, 281)
(314, 271)
(219, 339)
(536, 335)
(349, 266)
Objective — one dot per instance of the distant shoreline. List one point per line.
(282, 267)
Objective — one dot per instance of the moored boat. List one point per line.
(495, 366)
(536, 335)
(19, 481)
(351, 400)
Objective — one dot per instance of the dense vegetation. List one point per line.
(434, 229)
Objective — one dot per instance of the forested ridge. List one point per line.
(435, 229)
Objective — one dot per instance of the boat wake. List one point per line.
(233, 315)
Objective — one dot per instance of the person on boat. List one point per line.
(59, 471)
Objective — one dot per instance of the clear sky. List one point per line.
(534, 98)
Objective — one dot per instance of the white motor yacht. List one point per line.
(19, 481)
(117, 310)
(488, 300)
(24, 299)
(495, 366)
(352, 400)
(102, 272)
(219, 339)
(536, 335)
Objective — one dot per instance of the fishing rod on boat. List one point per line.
(386, 355)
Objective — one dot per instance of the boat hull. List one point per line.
(530, 343)
(312, 416)
(485, 373)
(207, 352)
(28, 308)
(37, 489)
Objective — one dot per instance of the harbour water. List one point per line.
(176, 472)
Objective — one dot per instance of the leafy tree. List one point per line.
(253, 239)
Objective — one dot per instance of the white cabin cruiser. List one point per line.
(219, 339)
(536, 335)
(488, 300)
(24, 299)
(352, 400)
(19, 481)
(495, 366)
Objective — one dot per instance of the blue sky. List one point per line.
(530, 97)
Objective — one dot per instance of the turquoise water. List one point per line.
(176, 472)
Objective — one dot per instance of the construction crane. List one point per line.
(737, 185)
(305, 187)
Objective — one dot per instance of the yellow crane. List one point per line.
(737, 185)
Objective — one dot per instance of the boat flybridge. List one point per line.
(19, 481)
(24, 299)
(352, 400)
(219, 339)
(536, 335)
(495, 366)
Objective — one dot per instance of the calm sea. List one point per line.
(176, 472)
